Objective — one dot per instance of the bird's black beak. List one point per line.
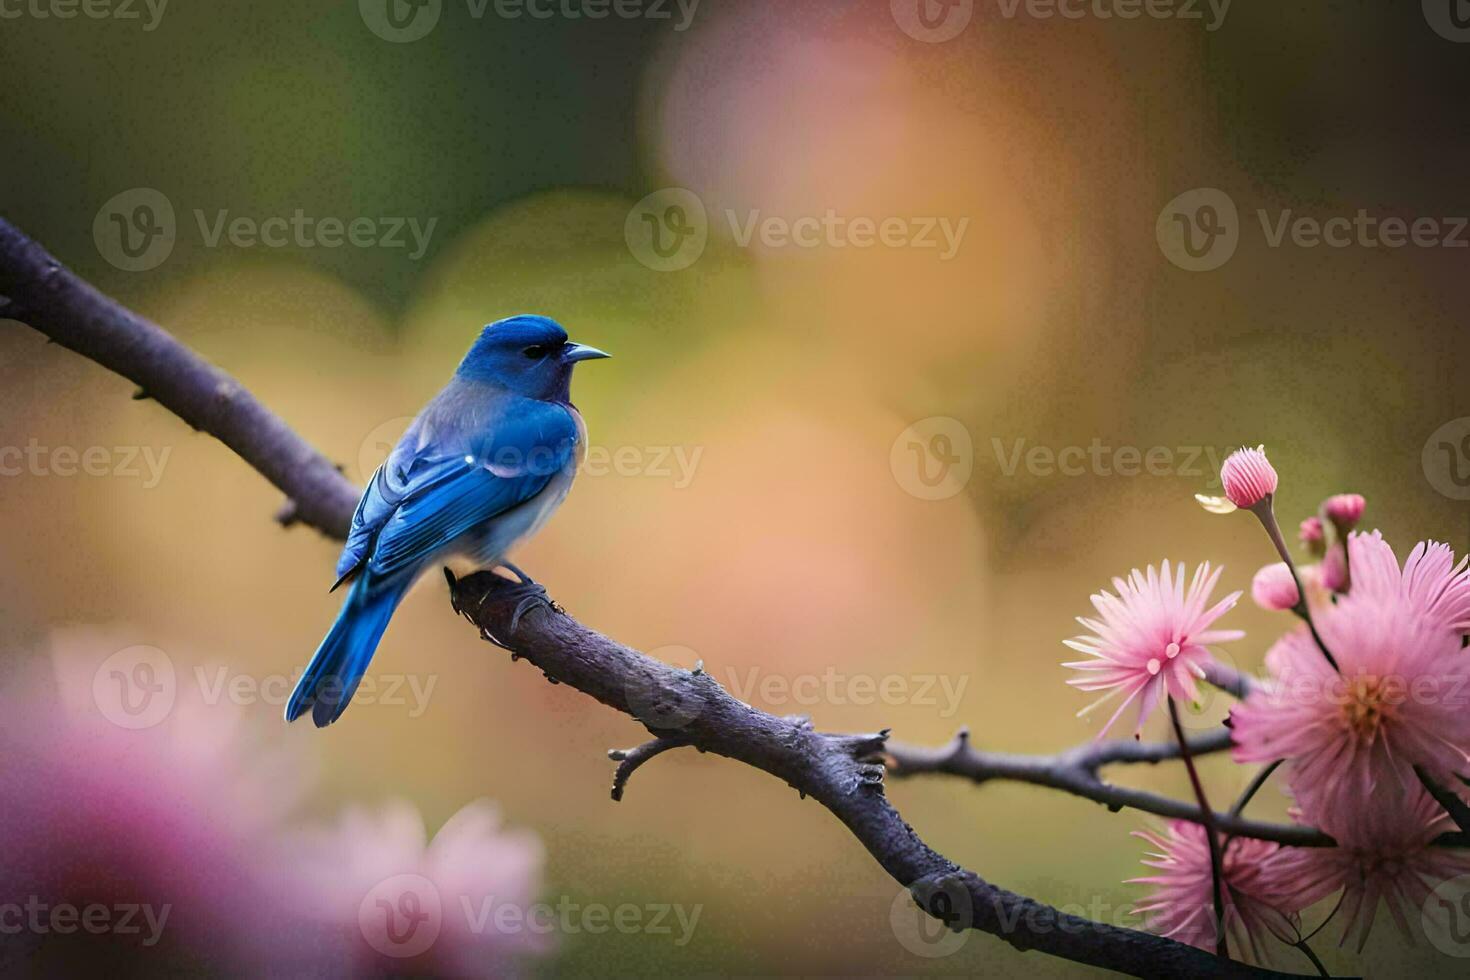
(572, 353)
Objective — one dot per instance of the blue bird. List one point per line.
(482, 467)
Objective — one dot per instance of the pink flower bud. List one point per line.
(1311, 531)
(1248, 477)
(1344, 510)
(1273, 588)
(1335, 569)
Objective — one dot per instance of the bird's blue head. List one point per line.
(528, 355)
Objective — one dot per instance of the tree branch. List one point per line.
(1076, 771)
(842, 772)
(49, 297)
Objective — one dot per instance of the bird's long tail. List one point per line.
(339, 663)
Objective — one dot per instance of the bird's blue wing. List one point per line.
(423, 497)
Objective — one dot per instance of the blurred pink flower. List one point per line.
(1402, 698)
(1248, 477)
(169, 816)
(1384, 852)
(1182, 905)
(1152, 639)
(461, 905)
(1274, 588)
(1431, 587)
(1344, 510)
(1333, 569)
(1311, 531)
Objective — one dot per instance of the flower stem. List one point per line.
(1212, 834)
(1267, 517)
(1307, 950)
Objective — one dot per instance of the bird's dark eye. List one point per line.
(535, 352)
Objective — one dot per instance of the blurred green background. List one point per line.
(796, 548)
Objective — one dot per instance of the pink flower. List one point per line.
(1402, 698)
(1311, 531)
(462, 905)
(1248, 477)
(1344, 510)
(1384, 852)
(1431, 587)
(1334, 569)
(1152, 639)
(1274, 588)
(1182, 903)
(165, 810)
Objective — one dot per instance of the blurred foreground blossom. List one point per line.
(461, 905)
(164, 849)
(1273, 587)
(1385, 854)
(132, 849)
(1181, 904)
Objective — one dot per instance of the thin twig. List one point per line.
(630, 759)
(1212, 831)
(1075, 771)
(1456, 807)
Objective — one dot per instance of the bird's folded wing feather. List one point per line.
(427, 495)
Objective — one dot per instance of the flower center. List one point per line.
(1365, 708)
